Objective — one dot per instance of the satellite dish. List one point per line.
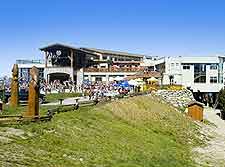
(58, 52)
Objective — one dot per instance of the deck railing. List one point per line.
(122, 69)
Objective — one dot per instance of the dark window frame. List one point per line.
(186, 67)
(213, 79)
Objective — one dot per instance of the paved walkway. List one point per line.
(213, 154)
(68, 101)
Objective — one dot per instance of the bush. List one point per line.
(221, 102)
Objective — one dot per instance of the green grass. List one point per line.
(55, 96)
(7, 110)
(136, 132)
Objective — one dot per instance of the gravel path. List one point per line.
(68, 101)
(213, 154)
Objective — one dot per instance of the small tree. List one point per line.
(221, 102)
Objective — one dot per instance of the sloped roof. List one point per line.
(46, 48)
(191, 103)
(57, 44)
(119, 53)
(144, 75)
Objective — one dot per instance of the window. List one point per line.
(177, 64)
(98, 78)
(103, 66)
(186, 67)
(213, 67)
(213, 79)
(199, 73)
(172, 64)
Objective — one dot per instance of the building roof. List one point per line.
(103, 51)
(144, 75)
(57, 45)
(49, 47)
(195, 103)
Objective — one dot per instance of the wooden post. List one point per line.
(33, 98)
(14, 102)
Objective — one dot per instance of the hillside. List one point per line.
(139, 131)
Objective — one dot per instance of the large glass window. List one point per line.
(199, 73)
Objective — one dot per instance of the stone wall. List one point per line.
(179, 98)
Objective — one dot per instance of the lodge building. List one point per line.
(63, 62)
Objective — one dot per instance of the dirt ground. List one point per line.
(213, 153)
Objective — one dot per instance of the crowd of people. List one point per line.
(93, 90)
(208, 99)
(99, 90)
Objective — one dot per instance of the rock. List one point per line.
(176, 98)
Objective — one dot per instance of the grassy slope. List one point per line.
(129, 133)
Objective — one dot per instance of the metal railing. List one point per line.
(122, 69)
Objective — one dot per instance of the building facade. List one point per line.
(112, 64)
(204, 74)
(63, 62)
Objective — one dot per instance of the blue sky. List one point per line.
(153, 27)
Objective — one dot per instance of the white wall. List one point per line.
(186, 77)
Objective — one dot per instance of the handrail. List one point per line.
(122, 69)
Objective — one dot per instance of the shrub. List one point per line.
(221, 102)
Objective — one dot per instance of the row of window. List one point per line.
(120, 59)
(173, 64)
(212, 67)
(201, 79)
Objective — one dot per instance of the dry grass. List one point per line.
(139, 131)
(151, 112)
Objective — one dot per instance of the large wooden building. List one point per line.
(63, 62)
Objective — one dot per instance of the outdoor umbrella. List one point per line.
(152, 79)
(118, 78)
(124, 84)
(133, 82)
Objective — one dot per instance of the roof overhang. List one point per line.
(110, 52)
(58, 45)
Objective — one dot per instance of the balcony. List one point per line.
(29, 61)
(122, 69)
